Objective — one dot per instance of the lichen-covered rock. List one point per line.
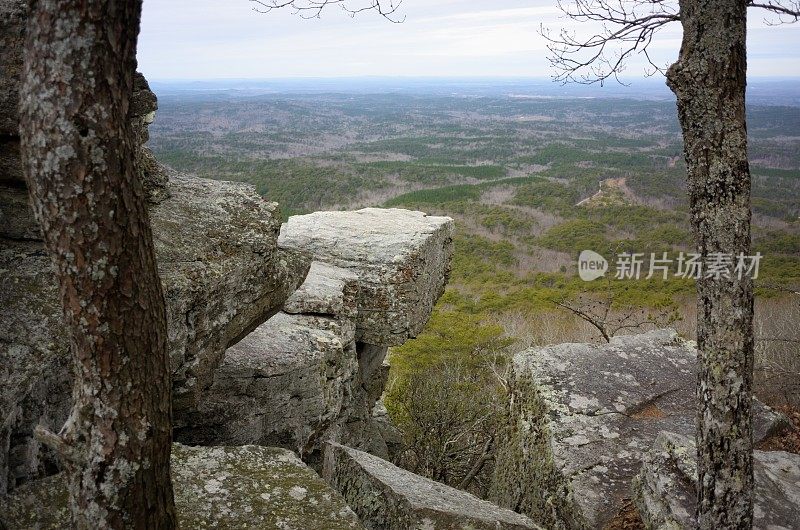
(287, 383)
(13, 14)
(401, 257)
(301, 377)
(222, 274)
(386, 497)
(664, 490)
(34, 360)
(581, 418)
(215, 487)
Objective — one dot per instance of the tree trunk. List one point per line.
(78, 153)
(709, 81)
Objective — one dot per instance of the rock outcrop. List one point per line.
(221, 269)
(386, 497)
(401, 257)
(664, 489)
(307, 375)
(215, 487)
(222, 274)
(582, 418)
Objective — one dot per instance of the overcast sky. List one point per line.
(205, 39)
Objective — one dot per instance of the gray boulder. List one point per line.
(215, 487)
(222, 274)
(386, 497)
(582, 417)
(664, 489)
(401, 257)
(287, 383)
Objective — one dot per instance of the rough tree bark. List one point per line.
(709, 81)
(78, 153)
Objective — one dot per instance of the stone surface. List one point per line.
(298, 379)
(387, 497)
(16, 217)
(664, 489)
(10, 162)
(222, 274)
(287, 383)
(327, 290)
(582, 417)
(12, 33)
(215, 487)
(401, 257)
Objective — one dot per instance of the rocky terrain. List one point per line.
(278, 334)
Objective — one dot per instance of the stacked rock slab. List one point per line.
(402, 260)
(386, 497)
(215, 487)
(583, 416)
(306, 375)
(664, 489)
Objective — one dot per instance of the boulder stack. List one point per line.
(310, 374)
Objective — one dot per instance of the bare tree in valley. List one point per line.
(78, 153)
(709, 80)
(608, 316)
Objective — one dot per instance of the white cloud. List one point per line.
(194, 39)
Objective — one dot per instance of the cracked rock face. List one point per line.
(292, 380)
(401, 257)
(583, 416)
(386, 497)
(215, 487)
(664, 489)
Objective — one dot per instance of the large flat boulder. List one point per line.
(401, 257)
(222, 274)
(215, 487)
(582, 417)
(386, 497)
(664, 489)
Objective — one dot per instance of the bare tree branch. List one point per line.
(628, 29)
(313, 8)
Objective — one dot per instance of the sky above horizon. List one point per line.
(213, 39)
